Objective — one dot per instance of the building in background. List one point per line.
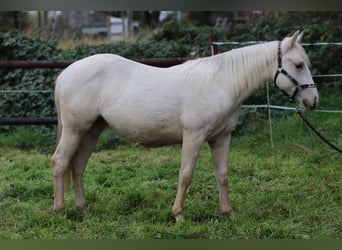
(121, 25)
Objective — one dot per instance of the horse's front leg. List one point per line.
(219, 150)
(192, 142)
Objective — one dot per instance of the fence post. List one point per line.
(213, 47)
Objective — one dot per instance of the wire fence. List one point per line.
(259, 42)
(257, 106)
(25, 91)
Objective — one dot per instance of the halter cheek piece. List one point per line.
(299, 87)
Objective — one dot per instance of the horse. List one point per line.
(191, 103)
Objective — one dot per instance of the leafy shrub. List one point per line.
(14, 47)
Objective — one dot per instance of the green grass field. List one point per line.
(290, 191)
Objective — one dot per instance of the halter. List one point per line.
(299, 87)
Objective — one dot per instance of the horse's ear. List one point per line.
(294, 38)
(300, 36)
(289, 42)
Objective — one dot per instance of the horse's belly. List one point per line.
(147, 131)
(151, 137)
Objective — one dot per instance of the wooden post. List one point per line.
(214, 47)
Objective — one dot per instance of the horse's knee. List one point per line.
(58, 166)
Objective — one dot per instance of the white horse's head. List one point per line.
(293, 75)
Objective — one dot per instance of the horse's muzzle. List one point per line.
(310, 104)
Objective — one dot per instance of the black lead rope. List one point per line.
(299, 112)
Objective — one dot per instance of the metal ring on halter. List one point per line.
(280, 70)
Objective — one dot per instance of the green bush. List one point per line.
(15, 47)
(317, 27)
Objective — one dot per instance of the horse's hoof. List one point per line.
(82, 210)
(179, 218)
(58, 209)
(230, 215)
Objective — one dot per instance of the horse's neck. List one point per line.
(248, 68)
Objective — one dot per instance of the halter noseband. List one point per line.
(299, 87)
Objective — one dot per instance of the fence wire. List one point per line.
(259, 42)
(25, 91)
(255, 107)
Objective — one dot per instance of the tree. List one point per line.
(151, 18)
(198, 18)
(13, 20)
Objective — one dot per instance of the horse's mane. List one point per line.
(240, 69)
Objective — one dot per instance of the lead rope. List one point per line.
(299, 112)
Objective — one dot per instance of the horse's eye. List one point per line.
(299, 65)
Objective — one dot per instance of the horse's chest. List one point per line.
(224, 124)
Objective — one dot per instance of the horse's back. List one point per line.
(96, 68)
(140, 102)
(99, 78)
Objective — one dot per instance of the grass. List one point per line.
(291, 191)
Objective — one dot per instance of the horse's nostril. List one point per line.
(315, 102)
(310, 105)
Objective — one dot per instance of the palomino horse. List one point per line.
(192, 103)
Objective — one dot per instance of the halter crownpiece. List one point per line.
(299, 86)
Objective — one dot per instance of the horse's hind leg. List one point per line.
(219, 150)
(80, 160)
(61, 160)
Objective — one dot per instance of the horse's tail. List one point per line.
(67, 174)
